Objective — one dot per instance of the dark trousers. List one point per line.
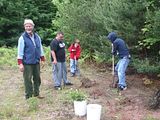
(31, 85)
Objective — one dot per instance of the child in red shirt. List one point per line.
(75, 51)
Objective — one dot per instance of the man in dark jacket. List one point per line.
(120, 48)
(30, 52)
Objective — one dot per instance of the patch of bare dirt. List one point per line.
(131, 104)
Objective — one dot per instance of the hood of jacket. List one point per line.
(112, 36)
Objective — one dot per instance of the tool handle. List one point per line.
(112, 61)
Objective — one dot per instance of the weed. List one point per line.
(77, 95)
(149, 117)
(33, 104)
(7, 110)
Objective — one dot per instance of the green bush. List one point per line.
(144, 66)
(8, 56)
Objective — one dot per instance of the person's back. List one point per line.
(121, 47)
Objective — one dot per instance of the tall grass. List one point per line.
(8, 56)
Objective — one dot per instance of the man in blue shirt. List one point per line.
(30, 52)
(120, 48)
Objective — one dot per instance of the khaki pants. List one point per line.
(31, 85)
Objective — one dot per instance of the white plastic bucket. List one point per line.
(80, 108)
(94, 112)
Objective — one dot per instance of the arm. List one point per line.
(20, 53)
(71, 49)
(114, 49)
(41, 50)
(53, 47)
(78, 52)
(54, 57)
(42, 53)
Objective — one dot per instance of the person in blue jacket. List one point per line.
(120, 49)
(30, 53)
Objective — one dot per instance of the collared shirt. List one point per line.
(32, 38)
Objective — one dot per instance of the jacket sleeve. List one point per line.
(21, 46)
(114, 51)
(41, 50)
(70, 48)
(78, 52)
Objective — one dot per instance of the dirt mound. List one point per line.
(86, 82)
(154, 102)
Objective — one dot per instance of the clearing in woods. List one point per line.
(131, 104)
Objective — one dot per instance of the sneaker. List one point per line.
(68, 83)
(57, 87)
(122, 88)
(72, 74)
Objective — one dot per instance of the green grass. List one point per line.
(8, 56)
(150, 117)
(55, 105)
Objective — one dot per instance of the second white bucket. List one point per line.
(94, 112)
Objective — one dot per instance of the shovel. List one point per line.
(114, 77)
(113, 69)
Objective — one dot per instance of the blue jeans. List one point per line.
(74, 66)
(59, 72)
(120, 69)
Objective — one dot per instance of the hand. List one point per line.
(54, 62)
(73, 50)
(21, 67)
(75, 57)
(113, 53)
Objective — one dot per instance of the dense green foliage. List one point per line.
(89, 20)
(13, 13)
(136, 21)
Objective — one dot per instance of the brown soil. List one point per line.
(131, 104)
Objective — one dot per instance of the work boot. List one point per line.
(39, 97)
